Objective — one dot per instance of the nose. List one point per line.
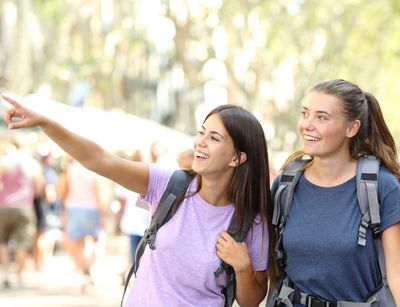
(306, 123)
(199, 140)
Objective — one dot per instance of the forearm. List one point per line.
(86, 152)
(391, 249)
(249, 291)
(394, 285)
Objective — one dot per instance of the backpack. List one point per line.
(169, 202)
(367, 194)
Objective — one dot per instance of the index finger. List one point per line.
(226, 236)
(10, 100)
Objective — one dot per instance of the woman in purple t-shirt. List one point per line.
(231, 167)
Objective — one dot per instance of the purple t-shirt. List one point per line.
(180, 271)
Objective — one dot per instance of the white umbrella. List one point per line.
(114, 130)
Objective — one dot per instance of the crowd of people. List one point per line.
(52, 204)
(310, 258)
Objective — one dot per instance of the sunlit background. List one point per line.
(171, 61)
(142, 74)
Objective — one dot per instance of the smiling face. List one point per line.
(214, 151)
(323, 127)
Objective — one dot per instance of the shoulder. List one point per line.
(387, 181)
(158, 180)
(159, 176)
(389, 195)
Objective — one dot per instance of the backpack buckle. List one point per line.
(376, 232)
(362, 233)
(150, 239)
(312, 301)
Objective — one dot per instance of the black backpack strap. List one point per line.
(173, 194)
(367, 194)
(230, 290)
(283, 200)
(239, 236)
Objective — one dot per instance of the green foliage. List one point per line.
(275, 51)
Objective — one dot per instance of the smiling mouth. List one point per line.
(310, 138)
(201, 155)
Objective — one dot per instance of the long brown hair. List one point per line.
(373, 137)
(249, 189)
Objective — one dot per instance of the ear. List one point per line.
(237, 160)
(353, 128)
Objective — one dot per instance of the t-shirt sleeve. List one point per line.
(158, 180)
(389, 198)
(257, 243)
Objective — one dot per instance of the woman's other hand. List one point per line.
(233, 253)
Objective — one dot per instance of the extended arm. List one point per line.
(391, 248)
(130, 174)
(251, 287)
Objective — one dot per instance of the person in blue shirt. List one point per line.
(338, 123)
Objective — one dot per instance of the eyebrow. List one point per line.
(319, 112)
(213, 132)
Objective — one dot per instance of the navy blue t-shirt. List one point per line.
(320, 238)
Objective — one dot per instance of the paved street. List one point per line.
(58, 285)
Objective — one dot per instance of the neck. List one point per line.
(331, 172)
(215, 192)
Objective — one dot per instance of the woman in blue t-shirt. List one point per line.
(324, 263)
(231, 173)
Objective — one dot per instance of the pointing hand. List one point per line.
(19, 116)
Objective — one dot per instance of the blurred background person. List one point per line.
(47, 207)
(20, 180)
(185, 159)
(84, 217)
(160, 154)
(133, 216)
(40, 217)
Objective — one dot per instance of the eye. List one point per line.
(304, 114)
(322, 117)
(215, 138)
(201, 132)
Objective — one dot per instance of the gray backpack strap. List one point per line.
(173, 194)
(384, 295)
(239, 236)
(367, 193)
(287, 183)
(283, 200)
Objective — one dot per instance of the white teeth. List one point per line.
(201, 155)
(311, 138)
